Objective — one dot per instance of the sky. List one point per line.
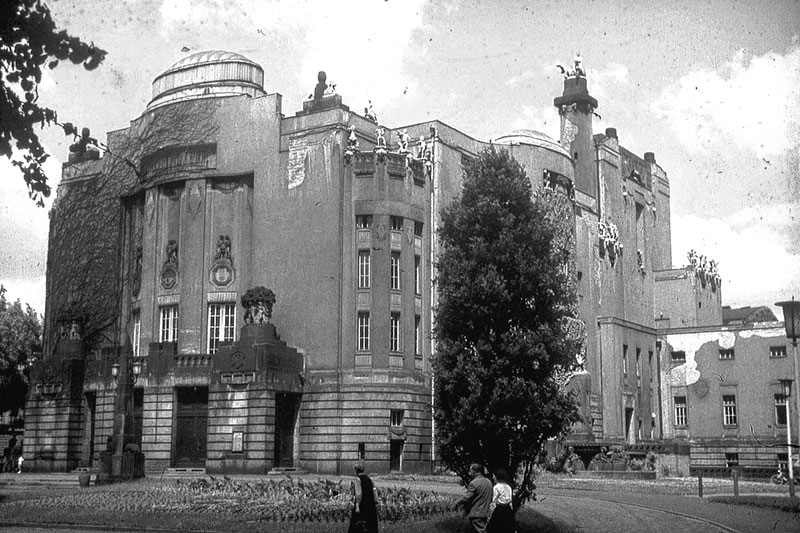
(711, 87)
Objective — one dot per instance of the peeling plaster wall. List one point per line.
(751, 376)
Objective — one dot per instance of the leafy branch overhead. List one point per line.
(29, 40)
(505, 322)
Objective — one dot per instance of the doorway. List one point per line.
(138, 416)
(89, 410)
(395, 455)
(287, 405)
(191, 423)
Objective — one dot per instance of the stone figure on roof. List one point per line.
(578, 66)
(369, 114)
(330, 90)
(403, 137)
(352, 140)
(381, 140)
(322, 86)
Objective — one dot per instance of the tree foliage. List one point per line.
(506, 330)
(20, 340)
(28, 40)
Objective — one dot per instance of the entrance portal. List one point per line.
(287, 406)
(89, 410)
(191, 422)
(396, 455)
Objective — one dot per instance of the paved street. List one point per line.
(598, 511)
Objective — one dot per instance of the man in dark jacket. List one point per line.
(476, 501)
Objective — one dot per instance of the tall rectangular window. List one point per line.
(780, 409)
(625, 359)
(394, 333)
(726, 355)
(638, 362)
(363, 270)
(417, 335)
(395, 271)
(221, 324)
(396, 417)
(777, 351)
(680, 411)
(417, 275)
(363, 331)
(729, 410)
(363, 221)
(418, 228)
(168, 318)
(396, 223)
(137, 332)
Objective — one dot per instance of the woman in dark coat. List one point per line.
(365, 498)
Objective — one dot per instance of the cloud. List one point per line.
(521, 78)
(755, 262)
(750, 100)
(362, 45)
(544, 119)
(24, 228)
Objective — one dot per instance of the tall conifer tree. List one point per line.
(506, 330)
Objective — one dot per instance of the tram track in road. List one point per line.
(686, 516)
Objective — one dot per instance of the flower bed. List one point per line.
(264, 500)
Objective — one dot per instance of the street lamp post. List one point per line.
(791, 320)
(786, 387)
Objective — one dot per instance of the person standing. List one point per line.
(365, 498)
(477, 499)
(17, 455)
(502, 519)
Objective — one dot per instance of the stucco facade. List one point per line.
(722, 393)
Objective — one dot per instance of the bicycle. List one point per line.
(780, 478)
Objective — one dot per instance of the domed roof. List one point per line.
(209, 74)
(532, 138)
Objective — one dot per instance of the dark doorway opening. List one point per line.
(138, 416)
(89, 410)
(396, 455)
(191, 423)
(628, 422)
(287, 405)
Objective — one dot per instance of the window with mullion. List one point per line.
(137, 332)
(362, 332)
(168, 332)
(221, 325)
(780, 409)
(364, 270)
(680, 411)
(395, 344)
(395, 271)
(729, 410)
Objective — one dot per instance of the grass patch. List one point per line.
(782, 503)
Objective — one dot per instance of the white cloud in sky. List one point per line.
(754, 262)
(361, 44)
(23, 230)
(544, 119)
(752, 100)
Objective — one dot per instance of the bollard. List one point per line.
(699, 483)
(735, 472)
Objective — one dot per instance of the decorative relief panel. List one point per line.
(396, 301)
(362, 301)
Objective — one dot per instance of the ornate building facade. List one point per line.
(212, 191)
